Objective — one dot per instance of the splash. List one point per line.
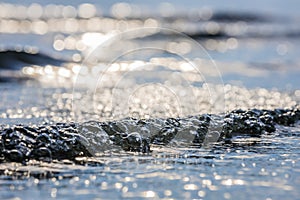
(90, 139)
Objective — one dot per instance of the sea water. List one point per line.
(118, 62)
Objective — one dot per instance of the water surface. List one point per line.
(122, 62)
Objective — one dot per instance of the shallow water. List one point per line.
(118, 63)
(268, 165)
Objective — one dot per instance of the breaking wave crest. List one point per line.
(74, 141)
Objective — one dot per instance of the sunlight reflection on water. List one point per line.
(243, 47)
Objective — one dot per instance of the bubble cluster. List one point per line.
(69, 141)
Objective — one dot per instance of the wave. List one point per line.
(12, 62)
(78, 140)
(15, 60)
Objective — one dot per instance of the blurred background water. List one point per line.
(260, 36)
(247, 56)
